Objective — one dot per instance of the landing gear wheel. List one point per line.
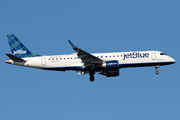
(91, 74)
(156, 67)
(91, 78)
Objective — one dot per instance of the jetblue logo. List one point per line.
(136, 55)
(19, 52)
(112, 63)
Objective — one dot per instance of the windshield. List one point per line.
(163, 54)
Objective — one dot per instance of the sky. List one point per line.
(95, 26)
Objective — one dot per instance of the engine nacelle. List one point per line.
(112, 68)
(114, 64)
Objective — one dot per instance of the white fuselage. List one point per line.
(72, 62)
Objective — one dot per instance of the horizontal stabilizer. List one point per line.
(14, 58)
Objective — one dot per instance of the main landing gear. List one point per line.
(91, 74)
(156, 67)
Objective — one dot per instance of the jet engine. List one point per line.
(112, 68)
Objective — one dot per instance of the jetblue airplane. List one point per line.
(107, 64)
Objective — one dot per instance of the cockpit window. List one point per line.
(162, 54)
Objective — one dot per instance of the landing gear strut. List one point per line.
(91, 74)
(156, 67)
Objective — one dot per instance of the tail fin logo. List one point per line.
(19, 52)
(18, 48)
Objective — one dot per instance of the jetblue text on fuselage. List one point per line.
(135, 55)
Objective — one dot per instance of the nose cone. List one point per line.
(172, 60)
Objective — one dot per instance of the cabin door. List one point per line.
(43, 61)
(153, 56)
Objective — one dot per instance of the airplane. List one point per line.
(107, 64)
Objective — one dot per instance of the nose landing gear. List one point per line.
(157, 72)
(156, 67)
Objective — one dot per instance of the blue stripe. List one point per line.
(98, 69)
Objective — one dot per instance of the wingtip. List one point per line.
(73, 46)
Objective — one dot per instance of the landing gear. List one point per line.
(156, 67)
(91, 78)
(91, 74)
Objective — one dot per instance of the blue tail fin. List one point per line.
(18, 49)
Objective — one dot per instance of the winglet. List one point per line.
(73, 46)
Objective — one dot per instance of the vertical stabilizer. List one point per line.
(17, 48)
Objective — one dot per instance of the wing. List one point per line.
(87, 58)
